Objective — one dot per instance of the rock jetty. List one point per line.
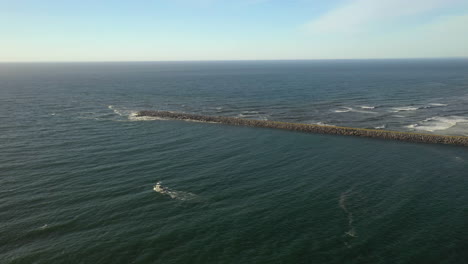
(319, 129)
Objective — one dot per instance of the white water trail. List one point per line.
(176, 195)
(343, 204)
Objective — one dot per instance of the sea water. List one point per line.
(78, 167)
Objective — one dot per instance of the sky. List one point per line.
(181, 30)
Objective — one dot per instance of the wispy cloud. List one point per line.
(362, 15)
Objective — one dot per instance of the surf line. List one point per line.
(313, 128)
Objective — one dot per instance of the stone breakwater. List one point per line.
(319, 129)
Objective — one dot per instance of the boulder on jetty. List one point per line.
(309, 128)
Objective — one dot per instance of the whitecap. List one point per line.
(411, 126)
(381, 127)
(438, 105)
(439, 123)
(133, 116)
(323, 124)
(253, 115)
(118, 112)
(320, 123)
(367, 107)
(343, 110)
(405, 108)
(350, 109)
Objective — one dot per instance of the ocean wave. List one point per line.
(345, 110)
(253, 115)
(381, 127)
(438, 123)
(176, 195)
(411, 126)
(437, 105)
(367, 107)
(350, 109)
(132, 115)
(118, 112)
(322, 124)
(405, 108)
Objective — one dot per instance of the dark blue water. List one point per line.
(77, 168)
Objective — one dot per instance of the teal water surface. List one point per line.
(77, 168)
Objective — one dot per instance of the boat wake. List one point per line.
(351, 233)
(176, 195)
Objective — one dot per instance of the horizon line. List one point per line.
(231, 60)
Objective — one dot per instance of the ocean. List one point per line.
(78, 167)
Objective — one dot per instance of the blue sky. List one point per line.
(155, 30)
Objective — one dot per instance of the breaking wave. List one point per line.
(131, 115)
(322, 124)
(350, 109)
(438, 123)
(414, 108)
(253, 115)
(404, 108)
(437, 105)
(367, 107)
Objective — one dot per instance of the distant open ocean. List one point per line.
(77, 167)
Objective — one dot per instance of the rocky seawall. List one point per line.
(319, 129)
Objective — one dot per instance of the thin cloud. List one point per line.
(361, 15)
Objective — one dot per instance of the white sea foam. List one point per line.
(405, 108)
(438, 105)
(367, 107)
(343, 110)
(323, 124)
(131, 115)
(342, 202)
(176, 195)
(439, 123)
(253, 115)
(248, 113)
(192, 120)
(381, 127)
(118, 112)
(350, 109)
(411, 126)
